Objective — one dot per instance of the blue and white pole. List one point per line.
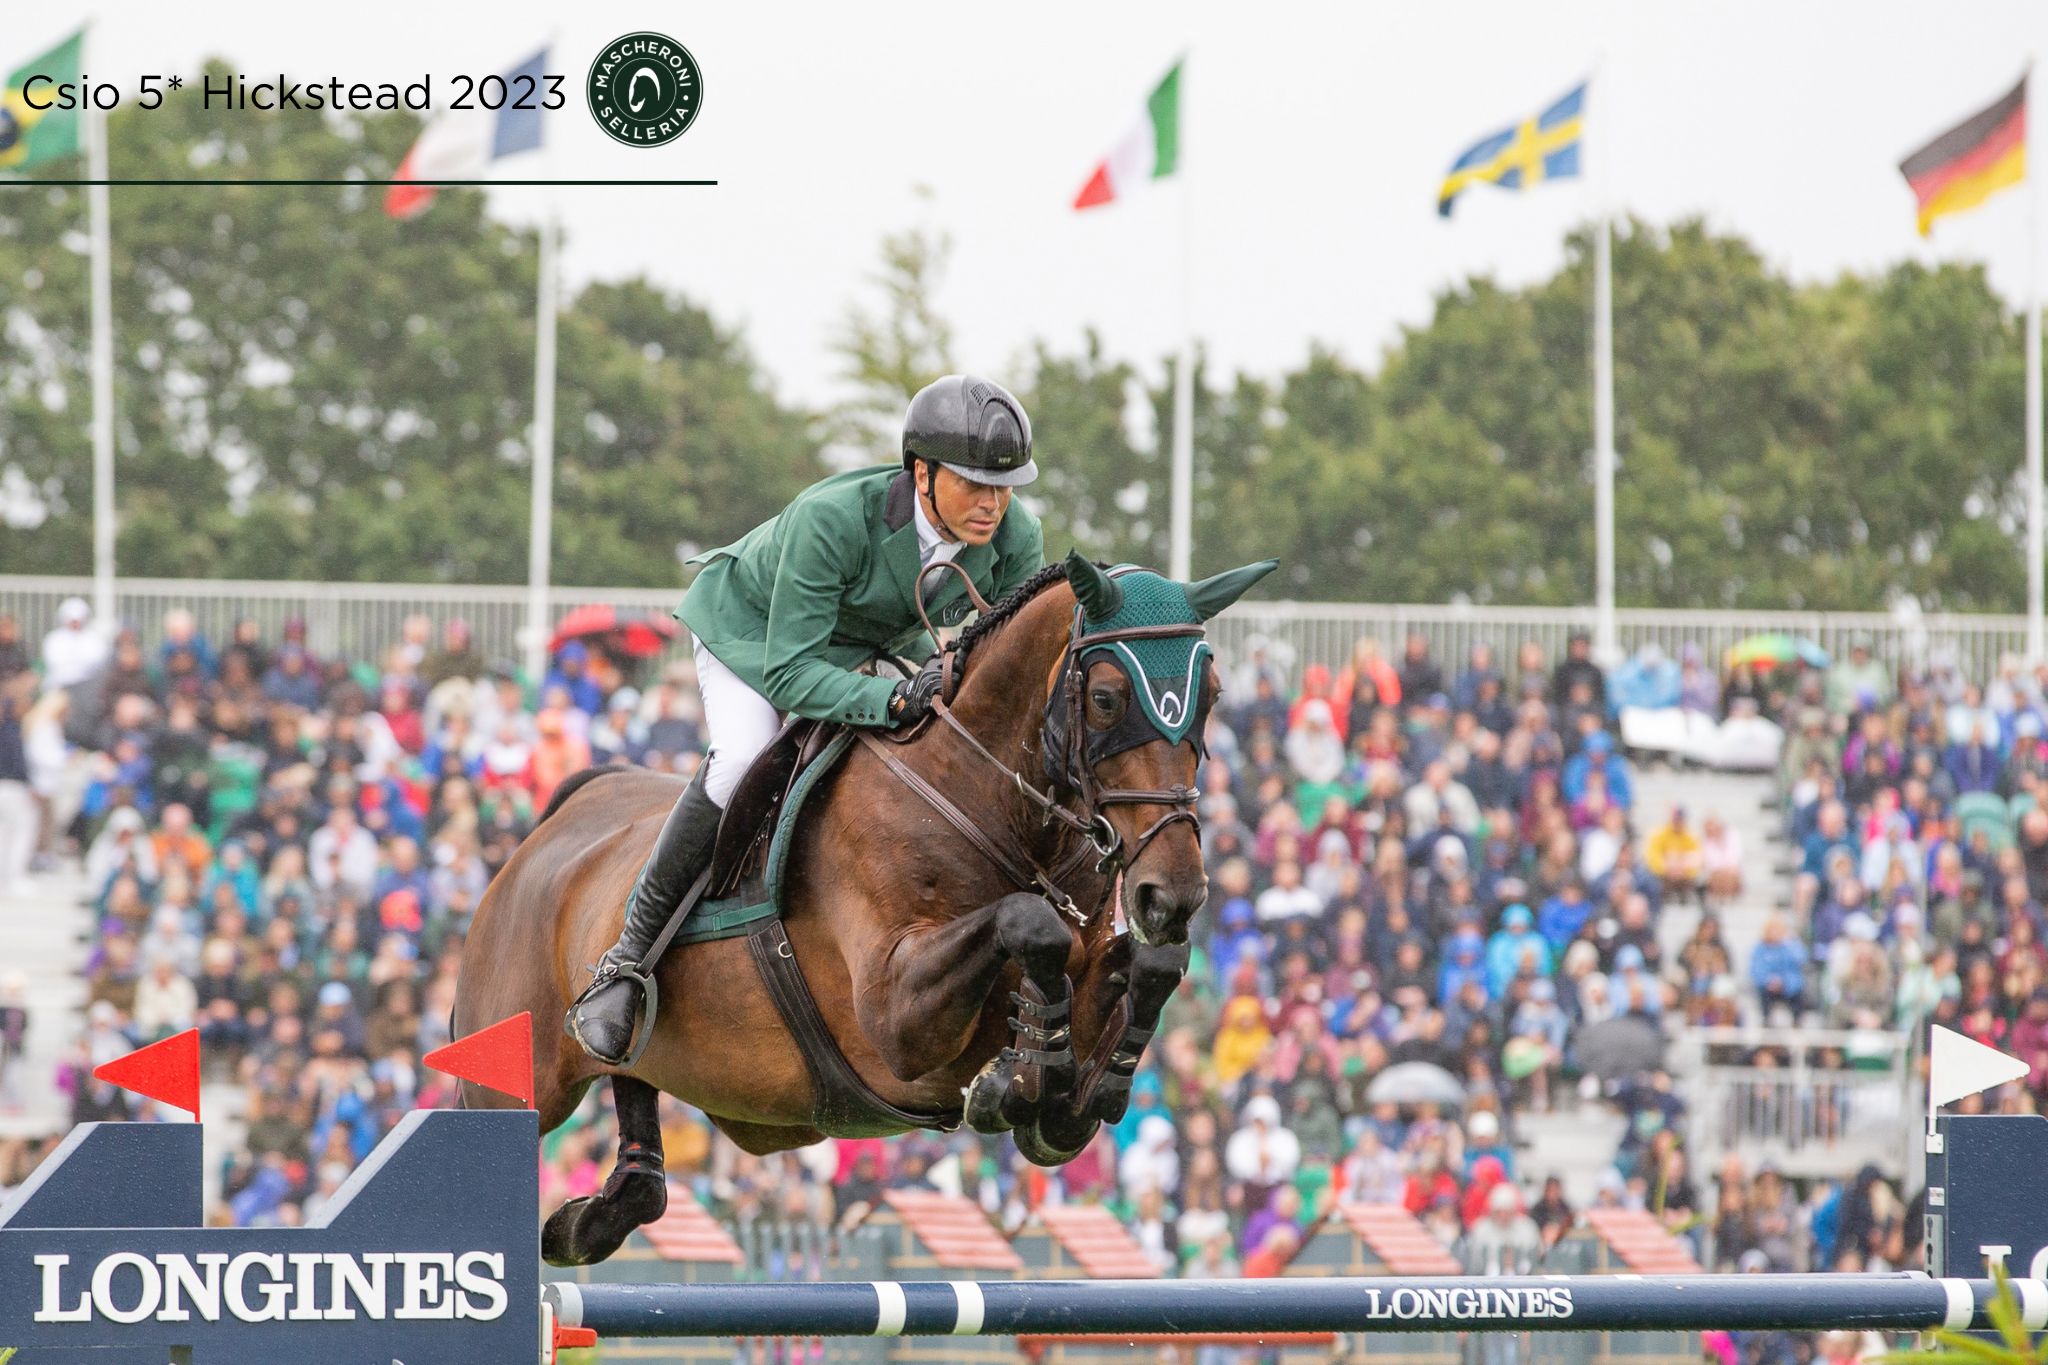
(1601, 1303)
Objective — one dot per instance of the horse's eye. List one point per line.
(1106, 705)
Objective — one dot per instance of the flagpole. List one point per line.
(102, 372)
(1606, 645)
(542, 522)
(2034, 514)
(1180, 552)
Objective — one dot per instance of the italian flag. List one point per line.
(1149, 151)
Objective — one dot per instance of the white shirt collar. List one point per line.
(933, 548)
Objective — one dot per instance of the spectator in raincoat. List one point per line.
(1153, 1162)
(1564, 913)
(1503, 1239)
(1464, 960)
(1315, 687)
(1649, 680)
(1237, 940)
(1698, 689)
(1515, 943)
(1483, 1142)
(1241, 1039)
(1598, 755)
(572, 671)
(1675, 854)
(1261, 1152)
(1487, 1172)
(1314, 748)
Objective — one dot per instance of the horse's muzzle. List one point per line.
(1159, 909)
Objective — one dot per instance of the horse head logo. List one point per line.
(633, 100)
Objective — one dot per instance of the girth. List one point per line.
(842, 1104)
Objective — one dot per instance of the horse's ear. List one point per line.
(1099, 594)
(1212, 595)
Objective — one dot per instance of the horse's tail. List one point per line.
(576, 782)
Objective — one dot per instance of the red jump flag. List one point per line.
(499, 1057)
(167, 1072)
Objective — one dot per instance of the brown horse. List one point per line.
(911, 938)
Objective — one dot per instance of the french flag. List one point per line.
(462, 143)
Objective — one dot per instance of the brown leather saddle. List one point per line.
(740, 849)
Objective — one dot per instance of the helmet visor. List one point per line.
(998, 478)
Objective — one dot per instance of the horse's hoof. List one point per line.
(1111, 1097)
(989, 1092)
(558, 1241)
(1043, 1144)
(587, 1230)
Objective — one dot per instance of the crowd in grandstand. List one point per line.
(1423, 871)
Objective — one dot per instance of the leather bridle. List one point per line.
(1070, 759)
(1070, 768)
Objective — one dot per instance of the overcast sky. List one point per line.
(1315, 137)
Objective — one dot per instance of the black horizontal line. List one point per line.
(367, 184)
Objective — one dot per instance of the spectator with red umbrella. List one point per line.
(615, 639)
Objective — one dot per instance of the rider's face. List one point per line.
(972, 510)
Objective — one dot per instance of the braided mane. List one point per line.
(992, 620)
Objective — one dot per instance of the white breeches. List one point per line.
(738, 724)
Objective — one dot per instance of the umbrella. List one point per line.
(1775, 648)
(1415, 1083)
(1619, 1047)
(636, 635)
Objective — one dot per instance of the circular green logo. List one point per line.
(645, 89)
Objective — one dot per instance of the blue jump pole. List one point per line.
(1601, 1303)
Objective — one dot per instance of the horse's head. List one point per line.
(1123, 728)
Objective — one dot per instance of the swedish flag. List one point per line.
(1535, 150)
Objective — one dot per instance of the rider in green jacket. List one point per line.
(784, 615)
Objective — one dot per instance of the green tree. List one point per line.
(891, 351)
(1780, 445)
(306, 388)
(1095, 485)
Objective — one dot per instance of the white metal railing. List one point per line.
(358, 620)
(1830, 1101)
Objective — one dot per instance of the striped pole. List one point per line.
(1559, 1303)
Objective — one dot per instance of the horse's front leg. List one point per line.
(924, 1004)
(1118, 1002)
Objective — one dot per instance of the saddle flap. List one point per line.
(749, 818)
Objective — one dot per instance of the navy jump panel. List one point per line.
(1985, 1191)
(72, 1188)
(429, 1253)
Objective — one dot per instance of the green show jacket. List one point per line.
(800, 601)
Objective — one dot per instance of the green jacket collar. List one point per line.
(900, 552)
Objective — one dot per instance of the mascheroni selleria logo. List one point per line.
(645, 89)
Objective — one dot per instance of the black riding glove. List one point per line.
(911, 701)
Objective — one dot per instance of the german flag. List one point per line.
(1972, 161)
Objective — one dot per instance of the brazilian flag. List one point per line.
(29, 137)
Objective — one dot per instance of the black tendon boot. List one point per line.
(605, 1018)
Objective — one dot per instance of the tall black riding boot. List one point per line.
(605, 1018)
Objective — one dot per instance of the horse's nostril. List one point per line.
(1163, 908)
